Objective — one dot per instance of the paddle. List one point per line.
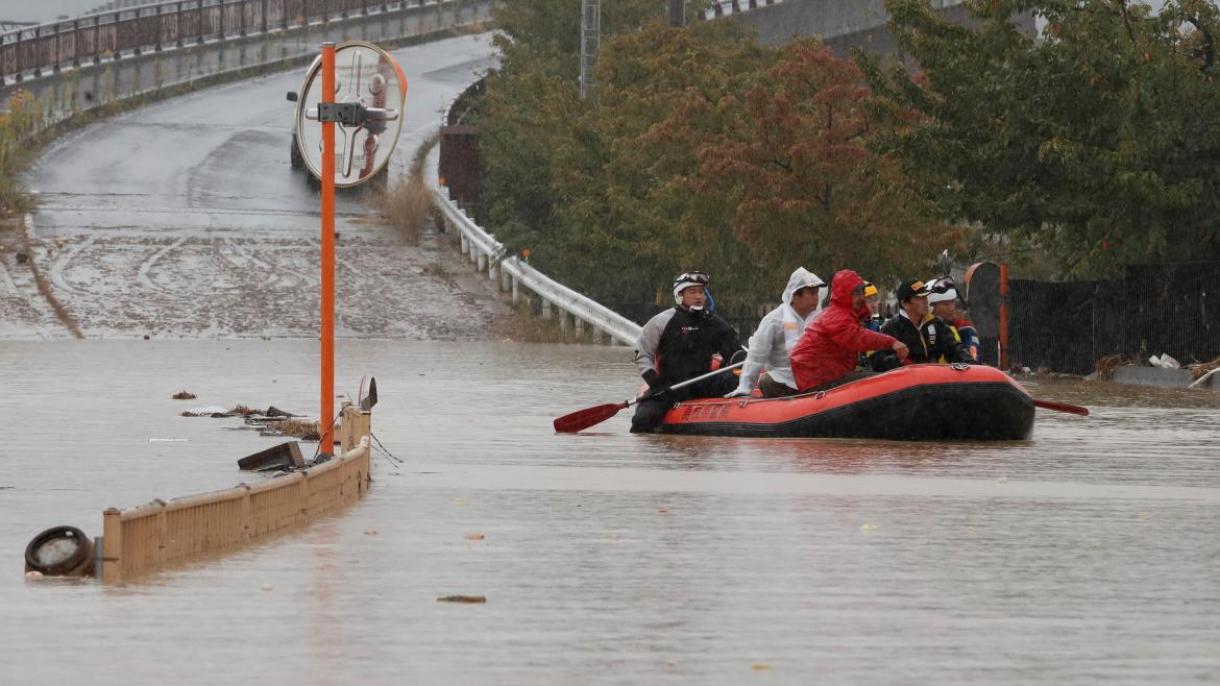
(1061, 407)
(583, 419)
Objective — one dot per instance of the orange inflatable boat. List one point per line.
(919, 402)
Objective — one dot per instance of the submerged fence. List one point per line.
(160, 534)
(1153, 309)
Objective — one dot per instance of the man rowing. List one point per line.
(678, 344)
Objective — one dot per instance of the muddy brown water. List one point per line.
(1087, 555)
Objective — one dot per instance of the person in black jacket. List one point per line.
(928, 337)
(677, 345)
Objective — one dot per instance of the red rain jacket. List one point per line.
(831, 345)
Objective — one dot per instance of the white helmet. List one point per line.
(941, 290)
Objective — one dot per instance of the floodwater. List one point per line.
(1088, 555)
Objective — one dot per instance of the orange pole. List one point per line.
(1003, 316)
(326, 420)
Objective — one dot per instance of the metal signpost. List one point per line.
(360, 89)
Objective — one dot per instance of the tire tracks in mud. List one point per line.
(44, 285)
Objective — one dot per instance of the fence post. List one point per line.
(221, 20)
(118, 50)
(160, 30)
(162, 534)
(75, 43)
(58, 50)
(264, 21)
(199, 39)
(17, 56)
(112, 546)
(246, 534)
(37, 45)
(304, 513)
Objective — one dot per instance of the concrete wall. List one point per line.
(75, 90)
(842, 24)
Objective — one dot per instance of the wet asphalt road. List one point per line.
(184, 219)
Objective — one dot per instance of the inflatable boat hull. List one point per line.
(920, 402)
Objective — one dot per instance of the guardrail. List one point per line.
(151, 537)
(517, 275)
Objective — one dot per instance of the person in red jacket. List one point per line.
(830, 346)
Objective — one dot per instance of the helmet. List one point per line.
(942, 290)
(686, 280)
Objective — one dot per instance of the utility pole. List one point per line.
(590, 39)
(676, 13)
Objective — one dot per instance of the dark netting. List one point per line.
(1153, 309)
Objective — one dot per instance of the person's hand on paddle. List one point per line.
(738, 393)
(902, 350)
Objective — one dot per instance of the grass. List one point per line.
(19, 128)
(408, 205)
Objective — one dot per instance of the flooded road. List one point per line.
(1087, 555)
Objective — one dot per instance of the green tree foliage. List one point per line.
(1095, 143)
(700, 149)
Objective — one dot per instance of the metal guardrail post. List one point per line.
(118, 49)
(76, 42)
(37, 47)
(17, 56)
(157, 46)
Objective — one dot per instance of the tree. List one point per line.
(1096, 143)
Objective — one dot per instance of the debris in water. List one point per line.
(168, 440)
(370, 532)
(470, 599)
(183, 395)
(267, 587)
(475, 537)
(210, 411)
(279, 457)
(760, 667)
(33, 575)
(866, 527)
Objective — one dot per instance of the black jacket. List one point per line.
(678, 344)
(928, 343)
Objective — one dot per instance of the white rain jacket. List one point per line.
(778, 331)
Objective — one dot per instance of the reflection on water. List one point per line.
(1086, 555)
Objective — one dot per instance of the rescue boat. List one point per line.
(917, 402)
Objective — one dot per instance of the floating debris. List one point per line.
(469, 599)
(169, 440)
(183, 395)
(475, 537)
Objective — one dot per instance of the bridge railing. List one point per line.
(33, 50)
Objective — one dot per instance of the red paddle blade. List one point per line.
(583, 419)
(1062, 407)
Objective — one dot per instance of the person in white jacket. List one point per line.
(778, 331)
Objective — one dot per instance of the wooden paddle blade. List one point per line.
(583, 419)
(1062, 407)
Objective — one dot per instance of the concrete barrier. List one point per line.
(160, 534)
